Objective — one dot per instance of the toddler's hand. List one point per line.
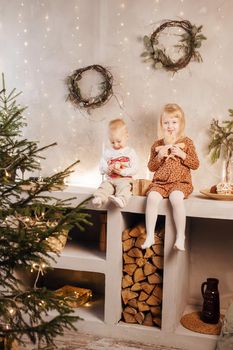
(117, 171)
(110, 169)
(163, 152)
(176, 151)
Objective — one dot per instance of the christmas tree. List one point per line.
(30, 216)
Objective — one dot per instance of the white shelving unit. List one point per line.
(81, 256)
(183, 271)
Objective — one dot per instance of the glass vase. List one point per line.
(227, 171)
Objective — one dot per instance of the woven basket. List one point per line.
(57, 244)
(193, 322)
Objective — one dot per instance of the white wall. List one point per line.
(44, 41)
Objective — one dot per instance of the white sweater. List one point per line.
(123, 158)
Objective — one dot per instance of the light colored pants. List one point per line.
(118, 187)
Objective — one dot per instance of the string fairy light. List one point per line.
(11, 311)
(42, 303)
(40, 268)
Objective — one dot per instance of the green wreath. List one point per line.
(190, 41)
(75, 93)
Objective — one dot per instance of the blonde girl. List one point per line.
(171, 159)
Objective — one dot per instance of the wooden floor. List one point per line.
(90, 342)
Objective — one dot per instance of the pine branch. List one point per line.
(36, 304)
(221, 139)
(27, 220)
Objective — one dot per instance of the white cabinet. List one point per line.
(209, 254)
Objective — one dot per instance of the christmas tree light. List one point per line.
(28, 219)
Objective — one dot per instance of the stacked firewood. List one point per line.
(142, 277)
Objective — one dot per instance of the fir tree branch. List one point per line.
(27, 219)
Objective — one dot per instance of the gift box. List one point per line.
(140, 187)
(79, 296)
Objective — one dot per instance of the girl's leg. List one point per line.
(177, 202)
(152, 204)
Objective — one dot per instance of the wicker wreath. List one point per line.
(75, 94)
(190, 41)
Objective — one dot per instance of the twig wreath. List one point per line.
(75, 93)
(190, 41)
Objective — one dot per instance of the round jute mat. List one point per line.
(193, 322)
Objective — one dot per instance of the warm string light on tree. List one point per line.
(28, 217)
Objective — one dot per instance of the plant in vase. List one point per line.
(221, 145)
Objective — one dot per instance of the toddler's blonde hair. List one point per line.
(117, 124)
(172, 110)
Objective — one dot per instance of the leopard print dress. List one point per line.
(173, 173)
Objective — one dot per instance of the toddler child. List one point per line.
(118, 163)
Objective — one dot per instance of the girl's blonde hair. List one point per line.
(172, 110)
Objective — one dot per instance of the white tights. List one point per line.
(152, 204)
(177, 201)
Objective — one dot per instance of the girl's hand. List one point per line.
(176, 151)
(163, 152)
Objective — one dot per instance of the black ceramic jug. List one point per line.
(211, 307)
